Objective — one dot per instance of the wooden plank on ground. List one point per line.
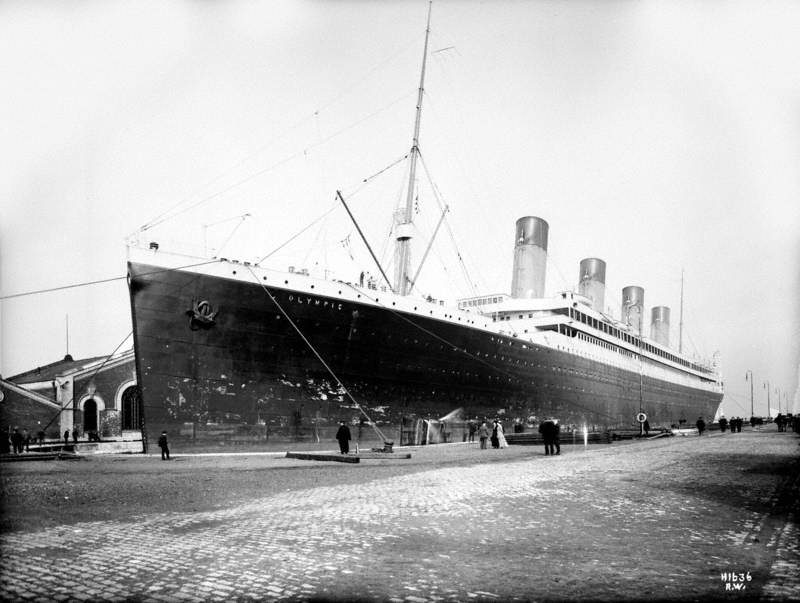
(315, 456)
(385, 455)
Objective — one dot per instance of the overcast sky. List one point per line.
(659, 136)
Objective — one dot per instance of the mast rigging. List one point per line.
(402, 280)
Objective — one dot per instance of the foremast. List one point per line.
(405, 219)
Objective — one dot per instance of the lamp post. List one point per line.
(769, 411)
(748, 376)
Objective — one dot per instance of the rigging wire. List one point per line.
(105, 280)
(466, 174)
(298, 233)
(333, 100)
(317, 354)
(70, 404)
(277, 164)
(356, 189)
(442, 205)
(233, 232)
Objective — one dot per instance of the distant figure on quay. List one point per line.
(701, 426)
(17, 441)
(164, 445)
(343, 435)
(483, 433)
(549, 429)
(501, 437)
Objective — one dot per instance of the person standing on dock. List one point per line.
(472, 429)
(548, 430)
(701, 426)
(723, 423)
(557, 436)
(66, 437)
(16, 441)
(501, 437)
(483, 434)
(343, 435)
(164, 445)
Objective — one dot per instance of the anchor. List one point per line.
(202, 315)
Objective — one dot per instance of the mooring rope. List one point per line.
(317, 354)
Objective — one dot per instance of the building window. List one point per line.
(131, 408)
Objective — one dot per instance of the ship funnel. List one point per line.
(659, 325)
(633, 307)
(530, 258)
(592, 281)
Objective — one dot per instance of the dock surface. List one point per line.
(664, 519)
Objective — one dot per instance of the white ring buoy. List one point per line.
(641, 417)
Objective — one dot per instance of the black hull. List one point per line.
(247, 366)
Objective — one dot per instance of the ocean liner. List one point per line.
(236, 349)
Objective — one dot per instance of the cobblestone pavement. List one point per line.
(669, 519)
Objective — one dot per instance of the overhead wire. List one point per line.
(278, 163)
(316, 353)
(70, 404)
(101, 281)
(336, 204)
(437, 195)
(346, 90)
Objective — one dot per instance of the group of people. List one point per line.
(735, 423)
(20, 441)
(496, 436)
(551, 431)
(783, 421)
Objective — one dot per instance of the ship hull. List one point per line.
(224, 351)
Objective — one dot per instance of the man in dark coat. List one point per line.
(343, 435)
(472, 429)
(548, 430)
(164, 445)
(17, 441)
(701, 426)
